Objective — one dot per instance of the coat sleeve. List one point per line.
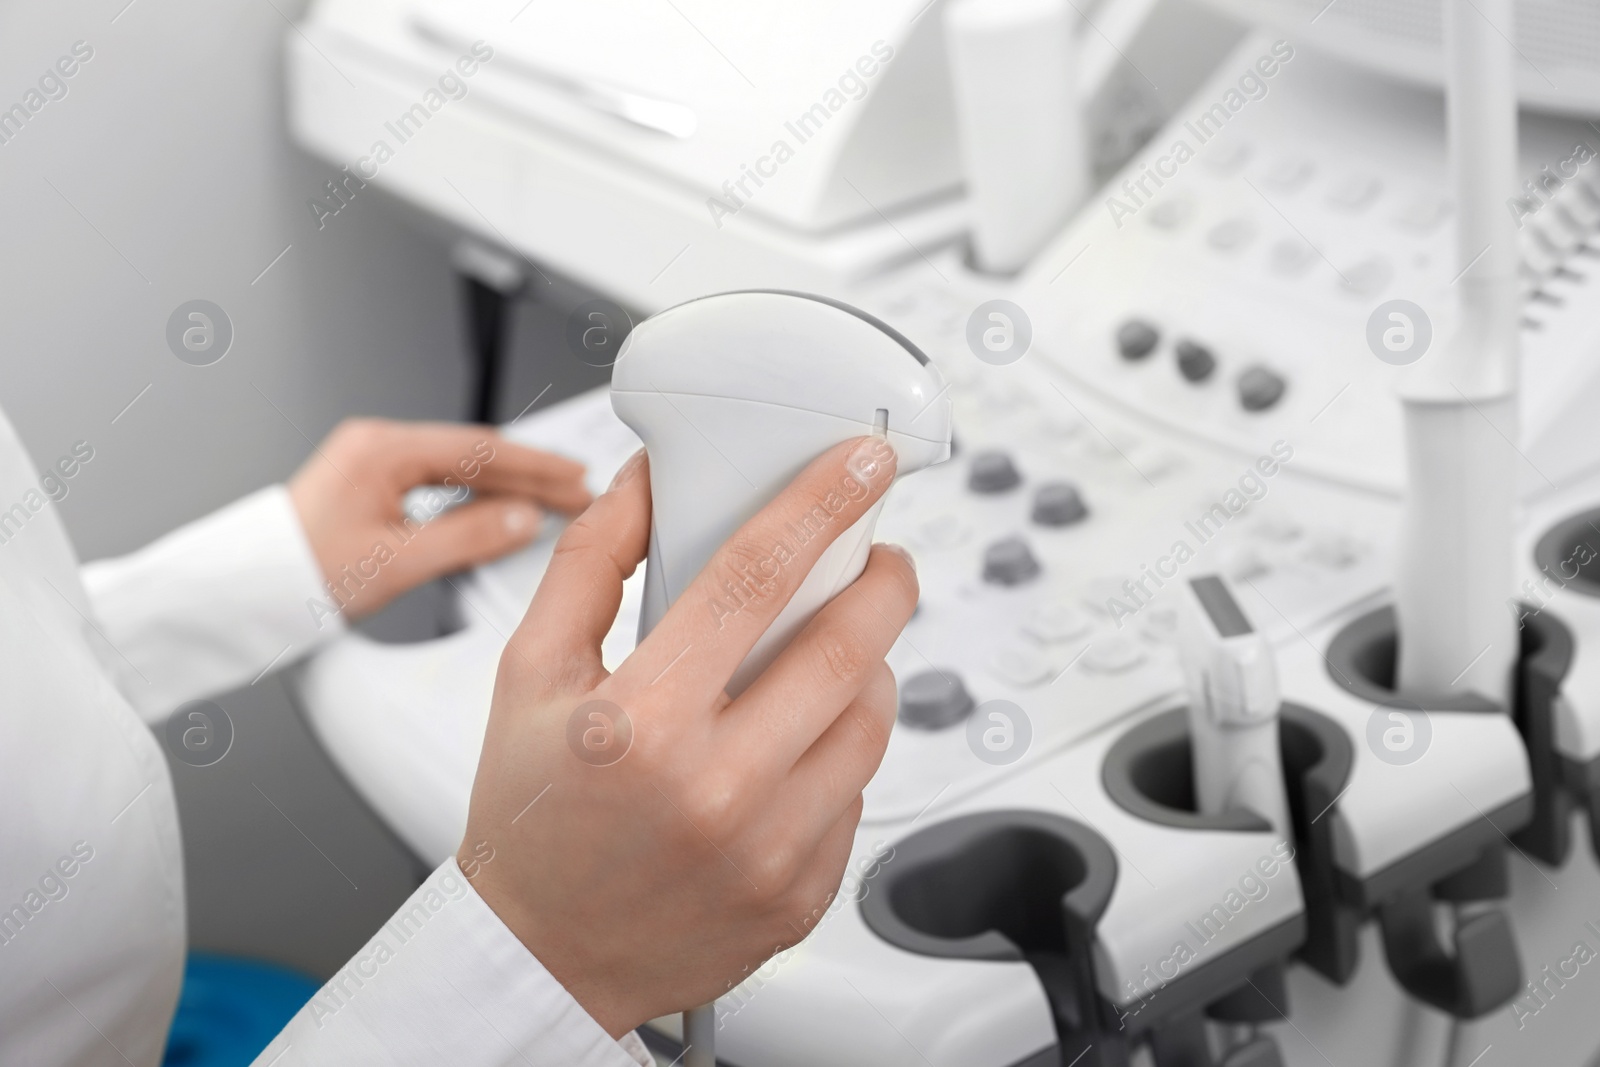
(445, 981)
(212, 605)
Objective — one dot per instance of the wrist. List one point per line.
(587, 978)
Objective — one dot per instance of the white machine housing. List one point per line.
(1319, 199)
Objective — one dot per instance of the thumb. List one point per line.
(477, 532)
(578, 598)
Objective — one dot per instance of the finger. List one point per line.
(830, 775)
(478, 457)
(551, 480)
(474, 533)
(828, 663)
(577, 600)
(764, 562)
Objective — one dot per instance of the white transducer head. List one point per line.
(733, 395)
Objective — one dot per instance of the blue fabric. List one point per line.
(230, 1008)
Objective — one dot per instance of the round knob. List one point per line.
(1260, 388)
(1195, 361)
(1009, 561)
(1136, 339)
(933, 700)
(1058, 504)
(992, 472)
(1056, 621)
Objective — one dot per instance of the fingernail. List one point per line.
(872, 462)
(900, 550)
(521, 519)
(627, 470)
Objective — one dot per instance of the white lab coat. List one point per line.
(91, 861)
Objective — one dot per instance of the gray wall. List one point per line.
(165, 175)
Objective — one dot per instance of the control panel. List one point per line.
(1196, 378)
(1236, 281)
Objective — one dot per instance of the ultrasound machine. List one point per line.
(1251, 711)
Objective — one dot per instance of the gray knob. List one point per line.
(1058, 504)
(1260, 388)
(1195, 361)
(933, 700)
(1136, 339)
(1009, 561)
(992, 472)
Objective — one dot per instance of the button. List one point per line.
(1195, 361)
(1100, 593)
(1136, 339)
(1246, 564)
(1231, 235)
(1423, 214)
(1368, 277)
(944, 532)
(1554, 229)
(1112, 655)
(1227, 157)
(1161, 625)
(1057, 621)
(1021, 666)
(1288, 175)
(1277, 528)
(1581, 212)
(992, 472)
(1292, 257)
(1009, 561)
(1058, 427)
(1537, 255)
(1260, 388)
(933, 700)
(1171, 213)
(1336, 552)
(1354, 192)
(1149, 461)
(1058, 504)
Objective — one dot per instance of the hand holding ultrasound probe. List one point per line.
(757, 704)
